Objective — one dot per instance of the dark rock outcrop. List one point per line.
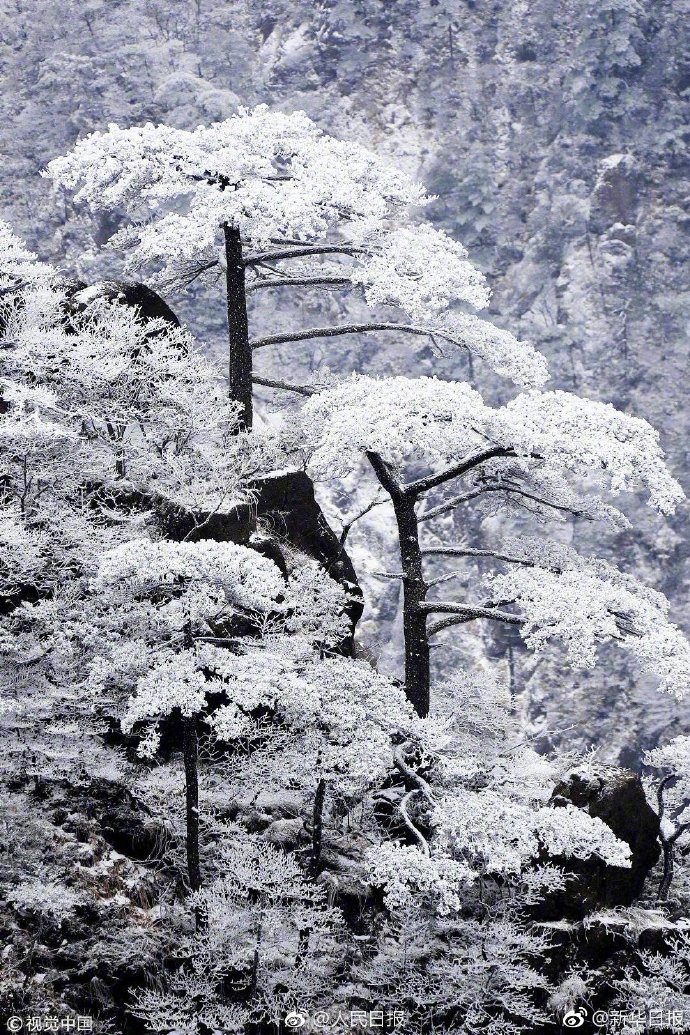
(128, 292)
(122, 821)
(615, 796)
(286, 510)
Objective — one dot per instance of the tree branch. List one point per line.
(333, 332)
(457, 551)
(298, 252)
(202, 269)
(347, 525)
(443, 578)
(461, 613)
(402, 809)
(384, 473)
(450, 505)
(299, 282)
(402, 767)
(468, 464)
(10, 289)
(267, 382)
(443, 508)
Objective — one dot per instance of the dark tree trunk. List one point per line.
(417, 676)
(239, 353)
(317, 828)
(191, 771)
(665, 885)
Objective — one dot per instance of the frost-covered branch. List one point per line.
(452, 504)
(268, 382)
(348, 525)
(466, 551)
(461, 613)
(333, 332)
(466, 465)
(314, 281)
(300, 252)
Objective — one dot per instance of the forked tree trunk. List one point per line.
(417, 675)
(239, 350)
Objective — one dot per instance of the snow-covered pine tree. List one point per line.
(549, 451)
(106, 416)
(240, 197)
(265, 188)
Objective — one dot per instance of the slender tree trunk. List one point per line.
(669, 846)
(665, 885)
(239, 353)
(417, 675)
(190, 744)
(317, 828)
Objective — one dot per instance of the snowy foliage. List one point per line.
(657, 988)
(257, 913)
(581, 435)
(443, 421)
(18, 266)
(167, 595)
(44, 899)
(277, 179)
(344, 713)
(270, 174)
(486, 801)
(240, 576)
(674, 756)
(138, 402)
(585, 602)
(423, 271)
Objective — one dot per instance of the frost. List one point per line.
(46, 898)
(426, 418)
(277, 178)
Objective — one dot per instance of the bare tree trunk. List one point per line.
(417, 675)
(240, 352)
(665, 885)
(190, 747)
(317, 828)
(668, 841)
